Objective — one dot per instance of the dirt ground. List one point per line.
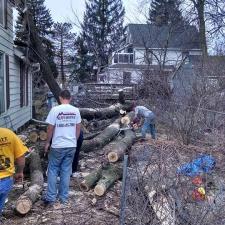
(152, 164)
(83, 207)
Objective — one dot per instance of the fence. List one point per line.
(110, 91)
(156, 194)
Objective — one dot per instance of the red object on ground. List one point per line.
(196, 195)
(197, 181)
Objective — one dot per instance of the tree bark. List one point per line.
(121, 96)
(99, 124)
(109, 176)
(102, 139)
(200, 7)
(24, 203)
(41, 54)
(90, 136)
(201, 17)
(119, 148)
(90, 180)
(104, 113)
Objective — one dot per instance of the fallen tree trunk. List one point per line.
(119, 148)
(24, 203)
(90, 136)
(90, 180)
(103, 138)
(99, 124)
(104, 113)
(28, 21)
(109, 176)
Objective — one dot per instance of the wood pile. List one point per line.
(115, 140)
(102, 127)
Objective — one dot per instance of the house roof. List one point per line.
(152, 36)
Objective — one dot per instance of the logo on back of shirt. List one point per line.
(66, 116)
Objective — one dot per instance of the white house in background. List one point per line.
(15, 75)
(150, 48)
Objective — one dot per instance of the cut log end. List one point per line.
(100, 190)
(84, 186)
(23, 206)
(33, 137)
(113, 157)
(43, 135)
(125, 120)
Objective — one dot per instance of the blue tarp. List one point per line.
(203, 164)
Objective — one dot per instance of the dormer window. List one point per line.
(2, 12)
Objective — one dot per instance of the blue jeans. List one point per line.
(60, 164)
(148, 126)
(5, 188)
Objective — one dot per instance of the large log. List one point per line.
(90, 180)
(104, 113)
(24, 203)
(109, 176)
(90, 136)
(119, 148)
(99, 124)
(102, 139)
(40, 51)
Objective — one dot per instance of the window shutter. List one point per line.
(7, 81)
(6, 14)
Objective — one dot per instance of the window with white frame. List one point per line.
(2, 12)
(126, 58)
(2, 83)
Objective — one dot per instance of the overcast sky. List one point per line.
(62, 10)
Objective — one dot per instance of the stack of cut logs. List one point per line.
(102, 130)
(114, 147)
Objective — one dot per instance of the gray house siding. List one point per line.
(15, 116)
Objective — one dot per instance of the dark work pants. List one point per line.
(76, 156)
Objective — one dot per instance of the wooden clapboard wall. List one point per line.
(18, 87)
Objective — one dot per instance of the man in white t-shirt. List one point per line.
(63, 129)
